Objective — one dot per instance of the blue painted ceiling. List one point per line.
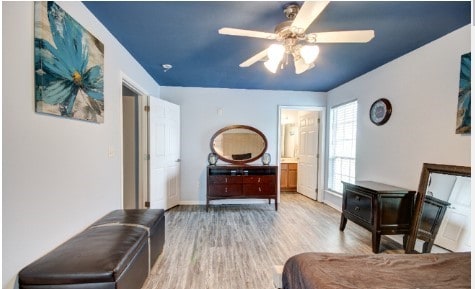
(185, 34)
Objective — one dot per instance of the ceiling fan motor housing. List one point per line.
(284, 30)
(291, 10)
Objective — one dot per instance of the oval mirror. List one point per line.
(238, 144)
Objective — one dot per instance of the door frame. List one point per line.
(143, 178)
(321, 145)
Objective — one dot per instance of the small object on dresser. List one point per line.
(212, 159)
(266, 159)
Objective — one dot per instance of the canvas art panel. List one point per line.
(69, 65)
(464, 98)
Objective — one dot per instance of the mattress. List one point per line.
(332, 270)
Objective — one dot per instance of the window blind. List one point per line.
(342, 149)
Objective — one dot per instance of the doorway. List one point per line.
(134, 148)
(301, 150)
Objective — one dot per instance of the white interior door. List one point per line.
(173, 155)
(164, 154)
(454, 232)
(308, 154)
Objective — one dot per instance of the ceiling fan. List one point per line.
(294, 41)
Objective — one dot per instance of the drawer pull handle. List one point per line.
(260, 189)
(226, 190)
(357, 198)
(259, 180)
(226, 180)
(357, 209)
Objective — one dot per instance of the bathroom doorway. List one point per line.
(301, 150)
(134, 148)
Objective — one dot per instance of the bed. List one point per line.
(333, 270)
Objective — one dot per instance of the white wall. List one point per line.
(57, 176)
(200, 120)
(423, 89)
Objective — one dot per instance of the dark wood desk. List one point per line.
(380, 208)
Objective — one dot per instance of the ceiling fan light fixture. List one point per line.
(272, 65)
(275, 53)
(292, 34)
(309, 53)
(301, 66)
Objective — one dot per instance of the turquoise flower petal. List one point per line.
(93, 83)
(51, 62)
(59, 91)
(68, 37)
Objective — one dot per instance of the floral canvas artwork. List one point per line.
(69, 65)
(464, 98)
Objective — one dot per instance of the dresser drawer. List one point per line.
(359, 205)
(258, 179)
(259, 189)
(225, 190)
(224, 179)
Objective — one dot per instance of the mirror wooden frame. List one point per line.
(427, 169)
(238, 126)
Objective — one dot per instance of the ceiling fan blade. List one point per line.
(254, 58)
(247, 33)
(301, 66)
(307, 14)
(355, 36)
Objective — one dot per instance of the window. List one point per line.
(342, 145)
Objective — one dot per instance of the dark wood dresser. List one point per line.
(241, 182)
(380, 208)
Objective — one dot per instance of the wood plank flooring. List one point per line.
(236, 246)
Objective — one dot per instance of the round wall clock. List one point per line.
(380, 111)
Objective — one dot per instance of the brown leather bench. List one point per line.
(116, 252)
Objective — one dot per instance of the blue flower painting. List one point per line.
(464, 99)
(69, 65)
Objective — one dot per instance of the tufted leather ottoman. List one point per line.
(116, 252)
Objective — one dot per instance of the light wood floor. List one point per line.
(236, 246)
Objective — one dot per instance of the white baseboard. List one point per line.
(333, 200)
(189, 203)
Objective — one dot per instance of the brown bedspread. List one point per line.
(330, 270)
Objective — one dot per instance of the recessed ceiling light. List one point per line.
(166, 67)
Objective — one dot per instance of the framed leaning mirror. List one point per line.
(238, 144)
(448, 185)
